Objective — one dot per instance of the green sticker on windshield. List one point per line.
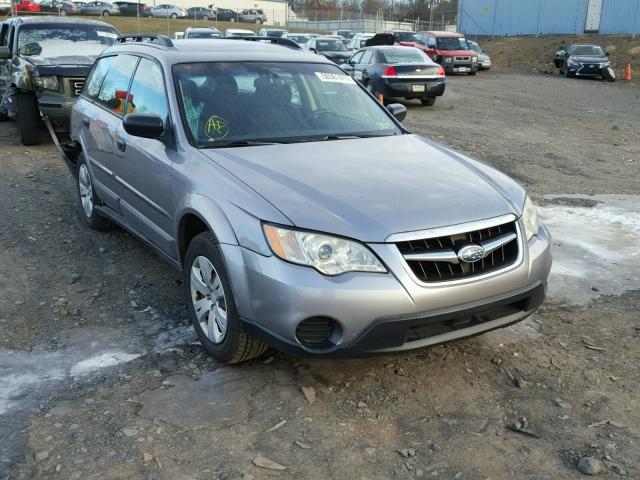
(216, 128)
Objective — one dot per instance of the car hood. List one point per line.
(336, 54)
(590, 59)
(76, 60)
(370, 188)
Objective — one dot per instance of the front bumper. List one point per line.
(586, 70)
(58, 109)
(459, 67)
(380, 313)
(413, 88)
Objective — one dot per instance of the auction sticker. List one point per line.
(216, 128)
(106, 34)
(334, 77)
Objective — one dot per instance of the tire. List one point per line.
(3, 117)
(258, 21)
(233, 345)
(174, 16)
(205, 18)
(87, 200)
(473, 72)
(232, 20)
(63, 13)
(30, 124)
(105, 14)
(428, 102)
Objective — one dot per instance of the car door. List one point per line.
(4, 64)
(362, 67)
(99, 120)
(146, 163)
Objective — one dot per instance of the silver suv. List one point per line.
(301, 212)
(252, 15)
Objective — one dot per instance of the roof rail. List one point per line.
(146, 38)
(285, 42)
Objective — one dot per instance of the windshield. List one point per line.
(298, 38)
(203, 35)
(587, 51)
(242, 102)
(241, 34)
(452, 43)
(275, 33)
(406, 37)
(330, 45)
(64, 41)
(404, 55)
(475, 47)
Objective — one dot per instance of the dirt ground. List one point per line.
(102, 378)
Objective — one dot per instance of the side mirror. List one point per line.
(351, 62)
(5, 53)
(397, 110)
(143, 125)
(313, 50)
(606, 53)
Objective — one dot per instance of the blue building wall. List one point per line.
(545, 17)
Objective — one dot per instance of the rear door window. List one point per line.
(96, 77)
(113, 92)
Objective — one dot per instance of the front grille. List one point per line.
(462, 59)
(436, 259)
(76, 85)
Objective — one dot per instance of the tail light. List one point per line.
(390, 72)
(441, 72)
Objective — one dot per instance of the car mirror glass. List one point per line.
(5, 53)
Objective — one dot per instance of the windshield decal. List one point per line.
(216, 128)
(106, 34)
(335, 77)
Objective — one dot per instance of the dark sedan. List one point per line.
(133, 9)
(396, 71)
(584, 61)
(332, 48)
(226, 15)
(201, 13)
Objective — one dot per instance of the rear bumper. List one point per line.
(408, 88)
(381, 313)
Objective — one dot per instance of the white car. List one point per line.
(239, 32)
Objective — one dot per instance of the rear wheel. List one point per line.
(211, 304)
(87, 200)
(173, 15)
(205, 18)
(428, 102)
(232, 20)
(63, 13)
(105, 13)
(28, 117)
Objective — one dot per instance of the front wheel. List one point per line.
(233, 20)
(211, 305)
(105, 14)
(174, 16)
(205, 18)
(428, 102)
(29, 120)
(63, 13)
(473, 72)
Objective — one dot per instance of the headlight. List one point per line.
(474, 59)
(329, 255)
(447, 59)
(572, 63)
(605, 65)
(48, 83)
(530, 218)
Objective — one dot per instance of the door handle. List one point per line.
(122, 145)
(86, 122)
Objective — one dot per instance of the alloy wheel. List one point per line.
(86, 190)
(209, 299)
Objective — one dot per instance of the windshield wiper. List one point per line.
(243, 143)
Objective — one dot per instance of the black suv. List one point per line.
(43, 65)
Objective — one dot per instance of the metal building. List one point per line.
(547, 17)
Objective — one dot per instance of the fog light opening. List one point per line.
(318, 333)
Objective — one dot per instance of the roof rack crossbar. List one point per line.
(285, 42)
(146, 38)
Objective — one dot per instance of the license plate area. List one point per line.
(419, 88)
(461, 69)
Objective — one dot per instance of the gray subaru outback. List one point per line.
(301, 212)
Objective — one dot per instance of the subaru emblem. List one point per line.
(471, 253)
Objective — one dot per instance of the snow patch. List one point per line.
(596, 250)
(103, 360)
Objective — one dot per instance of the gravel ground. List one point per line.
(102, 378)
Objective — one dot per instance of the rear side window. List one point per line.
(113, 92)
(94, 82)
(368, 57)
(147, 93)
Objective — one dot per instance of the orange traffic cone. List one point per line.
(627, 72)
